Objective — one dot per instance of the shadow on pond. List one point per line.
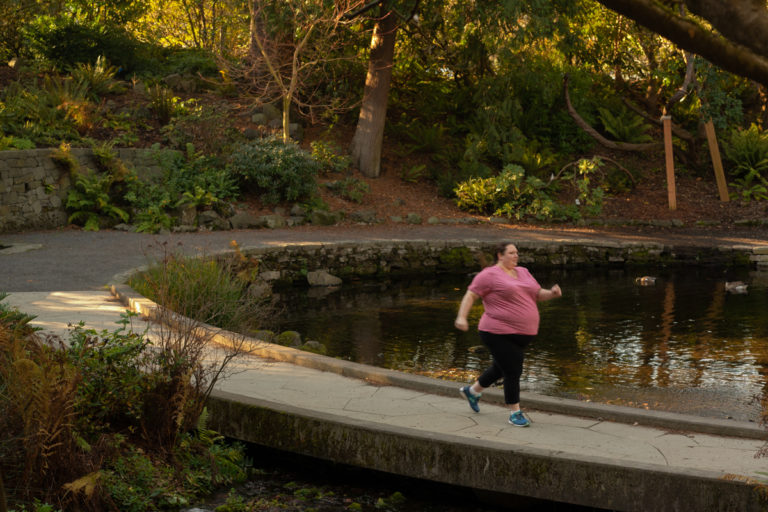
(683, 342)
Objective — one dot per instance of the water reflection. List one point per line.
(682, 344)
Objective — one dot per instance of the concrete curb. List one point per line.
(480, 464)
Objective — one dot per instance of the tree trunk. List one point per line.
(255, 28)
(369, 134)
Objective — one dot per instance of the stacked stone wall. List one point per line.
(33, 188)
(290, 264)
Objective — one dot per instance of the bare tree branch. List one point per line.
(622, 146)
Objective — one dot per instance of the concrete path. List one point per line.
(60, 277)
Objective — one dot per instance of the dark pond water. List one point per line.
(684, 344)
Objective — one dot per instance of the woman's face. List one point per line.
(509, 257)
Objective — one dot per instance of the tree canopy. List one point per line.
(730, 34)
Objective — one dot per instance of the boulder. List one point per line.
(245, 220)
(324, 218)
(288, 339)
(212, 220)
(315, 347)
(413, 218)
(322, 278)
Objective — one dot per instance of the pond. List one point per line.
(683, 344)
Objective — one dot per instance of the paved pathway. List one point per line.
(61, 277)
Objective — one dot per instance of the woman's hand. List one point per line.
(552, 293)
(461, 324)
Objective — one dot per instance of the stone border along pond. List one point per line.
(291, 264)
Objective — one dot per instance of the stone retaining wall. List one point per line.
(291, 263)
(33, 188)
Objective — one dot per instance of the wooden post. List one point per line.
(671, 193)
(714, 152)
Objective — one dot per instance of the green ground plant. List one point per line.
(329, 155)
(351, 189)
(747, 152)
(624, 125)
(112, 420)
(514, 194)
(277, 171)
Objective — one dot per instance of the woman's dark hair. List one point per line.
(500, 248)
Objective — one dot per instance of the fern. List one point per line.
(624, 126)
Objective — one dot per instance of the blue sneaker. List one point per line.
(517, 419)
(472, 399)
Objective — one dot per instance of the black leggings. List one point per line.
(508, 351)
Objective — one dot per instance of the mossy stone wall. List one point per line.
(291, 263)
(33, 188)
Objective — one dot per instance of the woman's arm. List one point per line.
(466, 304)
(551, 293)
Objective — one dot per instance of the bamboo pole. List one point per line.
(671, 192)
(717, 163)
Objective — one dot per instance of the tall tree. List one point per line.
(737, 43)
(291, 40)
(369, 135)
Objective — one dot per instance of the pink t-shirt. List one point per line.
(509, 303)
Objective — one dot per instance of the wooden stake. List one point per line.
(671, 193)
(714, 152)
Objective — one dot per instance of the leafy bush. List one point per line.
(11, 142)
(513, 194)
(110, 363)
(191, 61)
(329, 156)
(277, 171)
(479, 195)
(67, 42)
(209, 127)
(351, 189)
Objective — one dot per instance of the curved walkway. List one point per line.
(603, 456)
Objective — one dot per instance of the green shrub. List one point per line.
(277, 171)
(11, 142)
(13, 319)
(329, 156)
(209, 127)
(110, 363)
(510, 194)
(203, 288)
(191, 61)
(66, 42)
(109, 421)
(479, 195)
(351, 189)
